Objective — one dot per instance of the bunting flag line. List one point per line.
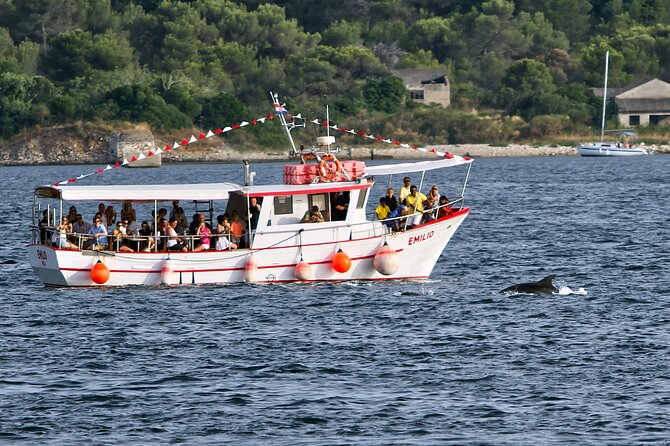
(387, 141)
(157, 150)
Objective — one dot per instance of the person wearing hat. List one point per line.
(404, 190)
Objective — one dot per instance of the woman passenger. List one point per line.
(60, 236)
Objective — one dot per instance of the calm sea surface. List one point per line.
(444, 361)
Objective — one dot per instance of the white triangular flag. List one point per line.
(176, 145)
(227, 129)
(243, 123)
(108, 167)
(192, 140)
(158, 151)
(210, 133)
(141, 157)
(299, 116)
(261, 120)
(125, 161)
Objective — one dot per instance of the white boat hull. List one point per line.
(608, 149)
(418, 250)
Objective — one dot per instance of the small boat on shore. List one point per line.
(623, 145)
(313, 227)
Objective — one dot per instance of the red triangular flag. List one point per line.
(133, 159)
(184, 142)
(201, 136)
(361, 133)
(253, 122)
(218, 131)
(72, 180)
(150, 153)
(270, 116)
(236, 126)
(117, 165)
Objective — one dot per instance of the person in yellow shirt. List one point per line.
(382, 212)
(414, 202)
(404, 190)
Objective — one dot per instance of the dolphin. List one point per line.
(544, 286)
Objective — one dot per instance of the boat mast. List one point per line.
(288, 127)
(602, 127)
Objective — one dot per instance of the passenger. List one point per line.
(414, 202)
(99, 216)
(44, 224)
(161, 234)
(60, 235)
(237, 230)
(391, 200)
(393, 221)
(445, 210)
(129, 214)
(80, 226)
(405, 189)
(98, 233)
(147, 244)
(182, 222)
(383, 209)
(340, 202)
(175, 206)
(110, 215)
(72, 216)
(254, 212)
(174, 242)
(103, 217)
(120, 239)
(223, 231)
(193, 226)
(312, 216)
(204, 232)
(432, 201)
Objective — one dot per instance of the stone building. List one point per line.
(643, 102)
(426, 86)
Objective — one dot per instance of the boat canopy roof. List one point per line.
(392, 169)
(144, 192)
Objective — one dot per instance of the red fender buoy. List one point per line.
(99, 273)
(250, 270)
(166, 271)
(387, 260)
(303, 270)
(341, 262)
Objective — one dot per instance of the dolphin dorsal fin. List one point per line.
(549, 280)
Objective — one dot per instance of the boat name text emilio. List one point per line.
(420, 238)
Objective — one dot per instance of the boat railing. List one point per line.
(45, 235)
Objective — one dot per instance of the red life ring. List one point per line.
(326, 172)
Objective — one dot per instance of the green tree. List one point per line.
(385, 95)
(522, 78)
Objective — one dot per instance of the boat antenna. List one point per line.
(602, 127)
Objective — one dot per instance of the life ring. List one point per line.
(325, 171)
(307, 156)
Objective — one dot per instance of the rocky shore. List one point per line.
(76, 144)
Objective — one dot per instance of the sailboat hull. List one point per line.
(610, 149)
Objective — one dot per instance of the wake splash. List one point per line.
(566, 291)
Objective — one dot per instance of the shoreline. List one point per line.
(225, 154)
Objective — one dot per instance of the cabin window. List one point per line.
(416, 95)
(634, 120)
(320, 200)
(361, 199)
(283, 205)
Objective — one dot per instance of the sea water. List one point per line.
(444, 361)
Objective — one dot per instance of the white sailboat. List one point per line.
(621, 145)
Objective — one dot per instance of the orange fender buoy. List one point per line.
(250, 270)
(387, 260)
(99, 273)
(303, 270)
(166, 271)
(341, 262)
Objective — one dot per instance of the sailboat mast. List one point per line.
(602, 127)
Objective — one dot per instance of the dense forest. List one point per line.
(518, 69)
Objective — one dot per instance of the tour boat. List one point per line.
(622, 146)
(341, 246)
